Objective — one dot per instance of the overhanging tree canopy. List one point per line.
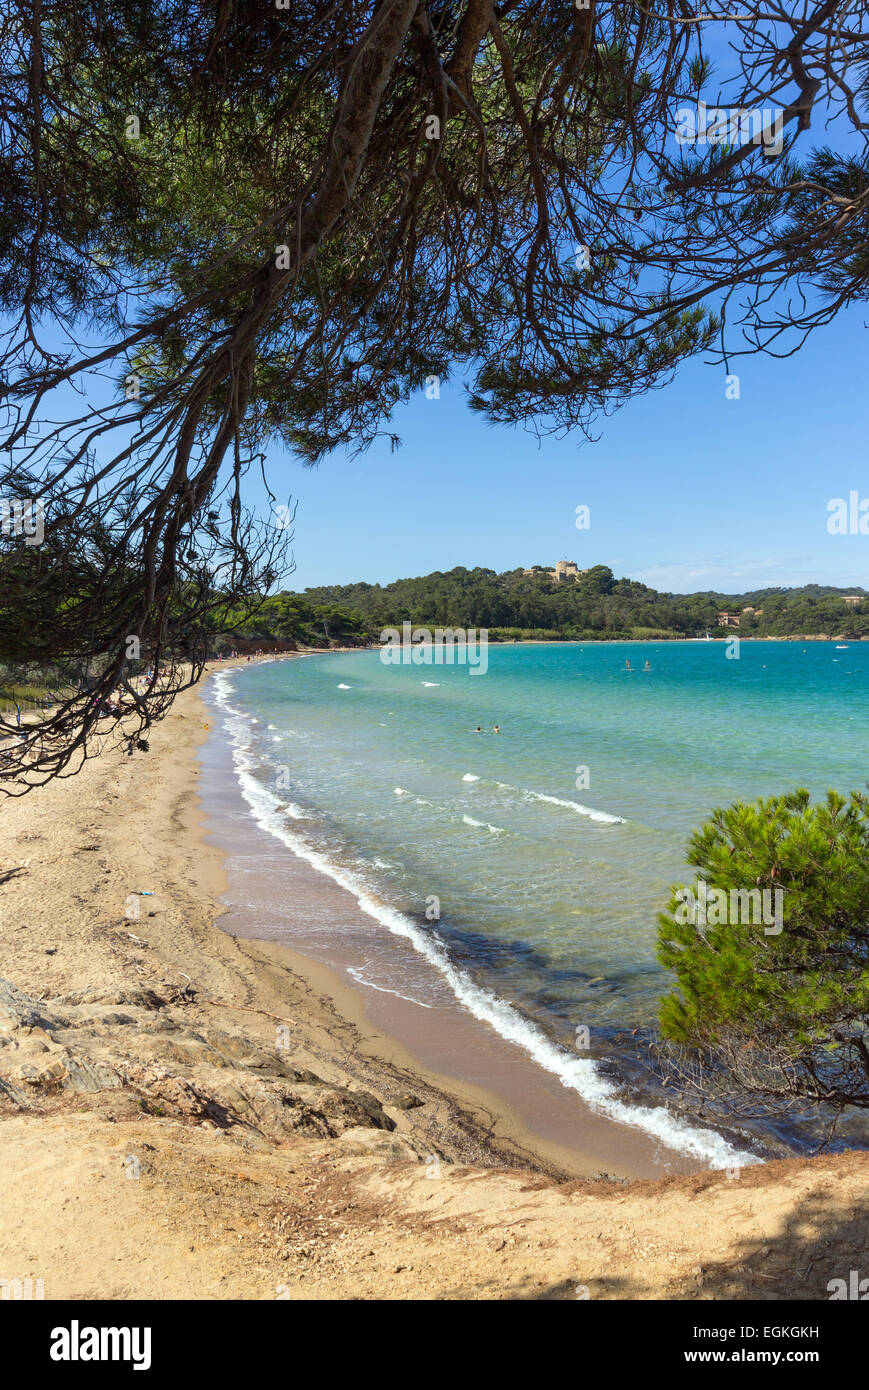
(225, 223)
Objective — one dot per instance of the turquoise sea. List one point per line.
(534, 861)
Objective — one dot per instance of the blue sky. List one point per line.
(687, 490)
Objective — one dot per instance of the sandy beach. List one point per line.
(331, 942)
(191, 1110)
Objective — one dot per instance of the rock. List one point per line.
(130, 1038)
(406, 1101)
(165, 1093)
(18, 1010)
(350, 1109)
(139, 998)
(373, 1143)
(216, 1049)
(59, 1070)
(110, 1019)
(237, 1051)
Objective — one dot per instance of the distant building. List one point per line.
(852, 599)
(564, 569)
(728, 620)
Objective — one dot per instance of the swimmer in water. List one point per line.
(496, 728)
(478, 730)
(627, 664)
(647, 667)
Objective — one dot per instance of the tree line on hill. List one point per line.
(516, 605)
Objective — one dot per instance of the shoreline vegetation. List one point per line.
(513, 608)
(161, 1139)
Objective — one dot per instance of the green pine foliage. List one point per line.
(796, 997)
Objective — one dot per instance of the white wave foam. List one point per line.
(360, 979)
(471, 777)
(484, 825)
(593, 814)
(345, 687)
(223, 685)
(244, 764)
(420, 800)
(430, 684)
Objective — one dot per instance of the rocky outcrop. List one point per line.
(134, 1040)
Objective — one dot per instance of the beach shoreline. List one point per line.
(279, 1138)
(525, 1109)
(188, 859)
(523, 1086)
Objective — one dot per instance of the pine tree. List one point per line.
(784, 1007)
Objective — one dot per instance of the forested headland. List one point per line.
(518, 606)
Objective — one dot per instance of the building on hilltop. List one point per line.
(564, 569)
(728, 619)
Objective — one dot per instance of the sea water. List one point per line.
(529, 865)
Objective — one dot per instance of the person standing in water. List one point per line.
(627, 664)
(647, 667)
(496, 728)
